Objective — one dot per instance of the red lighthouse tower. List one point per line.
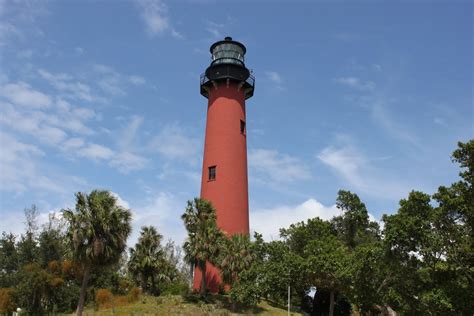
(226, 84)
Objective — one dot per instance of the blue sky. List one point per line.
(368, 96)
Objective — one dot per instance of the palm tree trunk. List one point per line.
(82, 295)
(153, 290)
(331, 303)
(144, 283)
(203, 279)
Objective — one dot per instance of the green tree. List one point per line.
(146, 259)
(454, 224)
(8, 260)
(51, 242)
(328, 266)
(353, 226)
(97, 232)
(250, 288)
(204, 237)
(27, 245)
(236, 256)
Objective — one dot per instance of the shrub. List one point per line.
(53, 266)
(6, 300)
(104, 298)
(67, 267)
(176, 289)
(134, 294)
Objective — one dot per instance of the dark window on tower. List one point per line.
(242, 127)
(212, 173)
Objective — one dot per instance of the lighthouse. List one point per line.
(226, 83)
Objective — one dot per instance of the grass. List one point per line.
(177, 305)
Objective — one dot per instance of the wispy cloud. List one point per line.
(274, 76)
(356, 83)
(22, 94)
(382, 117)
(215, 29)
(155, 16)
(123, 161)
(360, 173)
(174, 143)
(71, 88)
(137, 80)
(19, 168)
(270, 164)
(276, 79)
(96, 152)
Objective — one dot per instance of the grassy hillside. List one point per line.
(177, 305)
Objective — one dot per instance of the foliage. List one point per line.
(147, 263)
(8, 260)
(204, 237)
(236, 256)
(97, 232)
(103, 297)
(6, 300)
(50, 242)
(134, 294)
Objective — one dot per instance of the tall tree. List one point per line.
(328, 266)
(202, 244)
(27, 245)
(8, 260)
(236, 256)
(353, 226)
(97, 232)
(50, 242)
(146, 259)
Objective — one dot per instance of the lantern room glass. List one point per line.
(228, 53)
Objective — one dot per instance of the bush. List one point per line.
(176, 289)
(54, 266)
(6, 300)
(104, 298)
(134, 294)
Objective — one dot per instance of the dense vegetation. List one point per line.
(419, 261)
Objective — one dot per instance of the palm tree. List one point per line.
(204, 237)
(237, 256)
(147, 258)
(97, 232)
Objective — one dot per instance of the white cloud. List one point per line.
(120, 202)
(347, 162)
(127, 161)
(66, 83)
(173, 143)
(361, 174)
(276, 166)
(18, 167)
(383, 117)
(7, 31)
(162, 210)
(276, 79)
(22, 94)
(274, 76)
(356, 83)
(285, 215)
(137, 80)
(79, 50)
(96, 152)
(73, 143)
(129, 133)
(155, 15)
